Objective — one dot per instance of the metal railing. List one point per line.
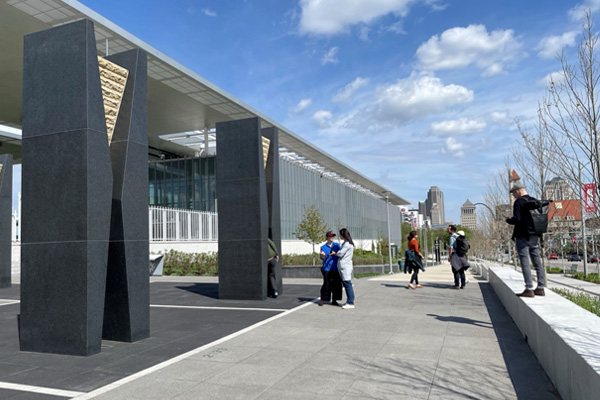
(178, 225)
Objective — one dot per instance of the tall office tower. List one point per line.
(435, 197)
(558, 189)
(468, 216)
(423, 208)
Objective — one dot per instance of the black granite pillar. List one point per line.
(66, 193)
(5, 219)
(274, 205)
(127, 301)
(243, 210)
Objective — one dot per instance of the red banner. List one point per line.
(589, 197)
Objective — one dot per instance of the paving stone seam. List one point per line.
(164, 364)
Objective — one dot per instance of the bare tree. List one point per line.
(571, 115)
(533, 156)
(493, 224)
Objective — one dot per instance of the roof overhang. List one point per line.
(179, 100)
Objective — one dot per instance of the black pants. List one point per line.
(272, 281)
(335, 284)
(332, 286)
(459, 275)
(415, 275)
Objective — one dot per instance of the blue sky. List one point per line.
(410, 93)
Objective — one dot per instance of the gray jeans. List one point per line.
(530, 248)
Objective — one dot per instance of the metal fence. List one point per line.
(178, 225)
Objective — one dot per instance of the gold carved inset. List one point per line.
(112, 80)
(265, 145)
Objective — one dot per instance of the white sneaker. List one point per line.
(347, 306)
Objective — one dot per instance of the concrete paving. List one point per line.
(431, 343)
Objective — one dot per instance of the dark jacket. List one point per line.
(521, 218)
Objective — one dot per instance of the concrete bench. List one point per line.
(563, 336)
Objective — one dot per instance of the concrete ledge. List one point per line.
(309, 271)
(564, 337)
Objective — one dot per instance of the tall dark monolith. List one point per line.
(66, 193)
(243, 210)
(127, 302)
(6, 161)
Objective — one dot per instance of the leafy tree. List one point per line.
(312, 228)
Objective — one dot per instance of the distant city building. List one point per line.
(468, 216)
(557, 189)
(564, 217)
(423, 207)
(435, 206)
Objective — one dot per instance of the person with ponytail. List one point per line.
(345, 266)
(416, 258)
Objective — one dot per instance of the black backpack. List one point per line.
(462, 246)
(538, 209)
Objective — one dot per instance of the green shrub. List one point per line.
(554, 270)
(191, 264)
(584, 300)
(591, 277)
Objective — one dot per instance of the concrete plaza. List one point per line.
(430, 343)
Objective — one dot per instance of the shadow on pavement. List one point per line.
(527, 375)
(462, 320)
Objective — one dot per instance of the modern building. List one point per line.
(183, 110)
(557, 189)
(435, 206)
(468, 215)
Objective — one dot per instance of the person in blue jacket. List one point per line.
(332, 283)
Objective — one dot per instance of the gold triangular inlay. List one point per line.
(265, 146)
(113, 79)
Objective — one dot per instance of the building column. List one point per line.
(243, 210)
(67, 186)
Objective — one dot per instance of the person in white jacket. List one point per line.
(345, 266)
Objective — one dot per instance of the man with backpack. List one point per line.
(527, 240)
(456, 256)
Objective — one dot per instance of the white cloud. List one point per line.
(555, 77)
(345, 94)
(330, 56)
(209, 12)
(417, 96)
(322, 119)
(551, 46)
(457, 126)
(454, 148)
(501, 118)
(577, 13)
(302, 105)
(363, 33)
(330, 17)
(458, 47)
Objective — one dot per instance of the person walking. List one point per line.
(345, 266)
(416, 259)
(332, 282)
(273, 255)
(458, 261)
(527, 244)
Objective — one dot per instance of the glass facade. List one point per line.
(340, 204)
(191, 184)
(188, 183)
